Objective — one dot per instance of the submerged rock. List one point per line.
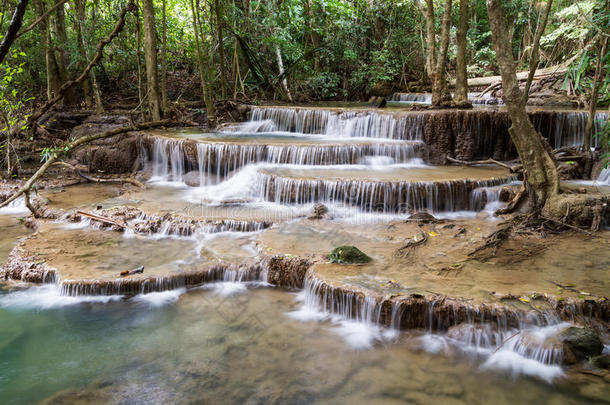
(348, 255)
(422, 216)
(192, 178)
(580, 344)
(319, 210)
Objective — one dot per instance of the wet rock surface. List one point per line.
(348, 255)
(580, 344)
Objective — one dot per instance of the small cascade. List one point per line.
(377, 196)
(486, 199)
(486, 99)
(604, 177)
(193, 278)
(358, 124)
(168, 160)
(220, 159)
(413, 98)
(567, 128)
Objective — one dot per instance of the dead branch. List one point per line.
(74, 144)
(102, 219)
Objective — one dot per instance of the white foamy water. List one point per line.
(159, 299)
(15, 207)
(47, 297)
(517, 364)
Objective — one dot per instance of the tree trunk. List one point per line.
(440, 88)
(593, 106)
(461, 84)
(280, 65)
(150, 52)
(79, 20)
(53, 82)
(535, 59)
(221, 50)
(542, 181)
(63, 55)
(430, 41)
(164, 59)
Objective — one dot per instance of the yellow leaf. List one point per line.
(432, 233)
(524, 299)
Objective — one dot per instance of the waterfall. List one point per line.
(419, 98)
(604, 177)
(359, 124)
(168, 160)
(377, 196)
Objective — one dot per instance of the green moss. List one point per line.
(348, 255)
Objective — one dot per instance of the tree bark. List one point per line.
(461, 84)
(542, 181)
(440, 88)
(150, 53)
(535, 59)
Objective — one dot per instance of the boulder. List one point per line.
(192, 178)
(348, 255)
(580, 344)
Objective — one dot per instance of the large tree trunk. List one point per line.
(542, 181)
(440, 88)
(461, 84)
(150, 51)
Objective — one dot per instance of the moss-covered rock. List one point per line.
(580, 344)
(348, 255)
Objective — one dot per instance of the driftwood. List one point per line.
(137, 270)
(102, 219)
(513, 169)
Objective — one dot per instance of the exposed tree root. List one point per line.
(420, 239)
(98, 179)
(513, 169)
